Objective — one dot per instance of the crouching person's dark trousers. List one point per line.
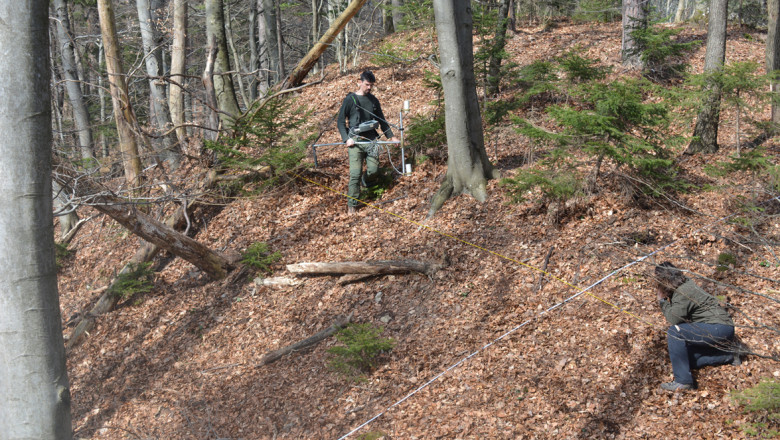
(696, 345)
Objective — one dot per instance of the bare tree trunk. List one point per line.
(146, 253)
(67, 213)
(316, 20)
(398, 15)
(705, 133)
(387, 19)
(264, 60)
(102, 98)
(634, 17)
(272, 40)
(498, 43)
(152, 44)
(254, 54)
(334, 11)
(236, 58)
(80, 113)
(681, 6)
(773, 55)
(223, 83)
(468, 167)
(302, 69)
(33, 376)
(178, 66)
(123, 111)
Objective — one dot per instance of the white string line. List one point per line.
(560, 304)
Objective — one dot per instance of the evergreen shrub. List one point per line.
(762, 402)
(270, 137)
(664, 56)
(361, 348)
(139, 279)
(259, 257)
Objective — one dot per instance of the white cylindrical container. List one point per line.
(408, 169)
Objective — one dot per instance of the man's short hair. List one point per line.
(368, 75)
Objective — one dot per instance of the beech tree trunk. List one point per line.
(272, 40)
(302, 69)
(773, 54)
(152, 44)
(679, 14)
(468, 167)
(223, 83)
(634, 17)
(263, 62)
(123, 111)
(398, 15)
(705, 133)
(178, 66)
(498, 43)
(72, 85)
(33, 377)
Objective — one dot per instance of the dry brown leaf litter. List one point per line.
(179, 362)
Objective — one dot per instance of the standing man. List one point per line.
(701, 332)
(358, 119)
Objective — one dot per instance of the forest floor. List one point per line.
(181, 361)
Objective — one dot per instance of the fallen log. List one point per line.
(384, 267)
(275, 355)
(145, 253)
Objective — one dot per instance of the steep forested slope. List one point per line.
(182, 360)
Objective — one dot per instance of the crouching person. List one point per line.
(701, 332)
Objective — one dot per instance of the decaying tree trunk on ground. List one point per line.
(275, 355)
(366, 267)
(144, 226)
(146, 253)
(302, 69)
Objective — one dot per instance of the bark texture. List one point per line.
(499, 41)
(773, 54)
(223, 82)
(123, 111)
(33, 378)
(705, 133)
(152, 44)
(70, 72)
(178, 66)
(634, 17)
(468, 167)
